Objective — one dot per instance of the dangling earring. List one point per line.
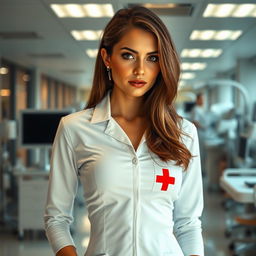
(109, 73)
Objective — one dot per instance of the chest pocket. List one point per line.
(167, 178)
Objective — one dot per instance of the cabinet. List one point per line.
(32, 193)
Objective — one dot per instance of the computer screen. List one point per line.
(38, 127)
(188, 106)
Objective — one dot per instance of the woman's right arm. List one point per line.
(63, 183)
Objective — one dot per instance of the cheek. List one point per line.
(119, 69)
(154, 72)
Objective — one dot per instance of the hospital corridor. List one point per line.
(48, 53)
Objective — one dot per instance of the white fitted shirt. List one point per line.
(138, 205)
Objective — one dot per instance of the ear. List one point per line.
(105, 56)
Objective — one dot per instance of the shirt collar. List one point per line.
(102, 111)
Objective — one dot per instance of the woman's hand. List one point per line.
(67, 251)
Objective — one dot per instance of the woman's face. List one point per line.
(134, 59)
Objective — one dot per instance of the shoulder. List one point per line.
(187, 127)
(76, 119)
(188, 132)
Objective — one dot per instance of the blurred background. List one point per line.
(47, 58)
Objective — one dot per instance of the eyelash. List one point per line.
(127, 53)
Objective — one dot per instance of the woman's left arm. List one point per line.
(189, 205)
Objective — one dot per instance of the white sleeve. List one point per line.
(189, 205)
(63, 183)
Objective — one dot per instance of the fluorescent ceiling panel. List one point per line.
(92, 53)
(201, 53)
(83, 10)
(87, 34)
(230, 10)
(215, 34)
(193, 66)
(187, 75)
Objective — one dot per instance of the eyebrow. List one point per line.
(129, 49)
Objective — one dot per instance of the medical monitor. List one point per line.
(188, 106)
(38, 127)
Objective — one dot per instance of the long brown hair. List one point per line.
(164, 132)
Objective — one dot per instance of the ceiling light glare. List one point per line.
(215, 34)
(85, 10)
(59, 10)
(193, 53)
(244, 10)
(92, 53)
(202, 35)
(230, 10)
(87, 34)
(187, 75)
(201, 53)
(74, 10)
(99, 10)
(193, 66)
(207, 53)
(236, 34)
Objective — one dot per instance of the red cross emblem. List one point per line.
(165, 179)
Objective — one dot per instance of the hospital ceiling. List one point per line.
(50, 46)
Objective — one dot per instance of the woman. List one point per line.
(137, 160)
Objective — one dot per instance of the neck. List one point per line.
(126, 106)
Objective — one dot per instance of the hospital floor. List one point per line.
(35, 243)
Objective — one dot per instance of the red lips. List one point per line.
(138, 82)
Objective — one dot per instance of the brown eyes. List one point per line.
(129, 56)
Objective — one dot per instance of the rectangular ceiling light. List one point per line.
(92, 53)
(83, 10)
(215, 34)
(201, 53)
(230, 10)
(193, 65)
(87, 34)
(187, 75)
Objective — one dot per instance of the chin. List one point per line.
(138, 93)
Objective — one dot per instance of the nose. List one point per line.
(139, 68)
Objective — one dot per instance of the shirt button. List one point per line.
(134, 160)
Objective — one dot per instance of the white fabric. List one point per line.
(129, 213)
